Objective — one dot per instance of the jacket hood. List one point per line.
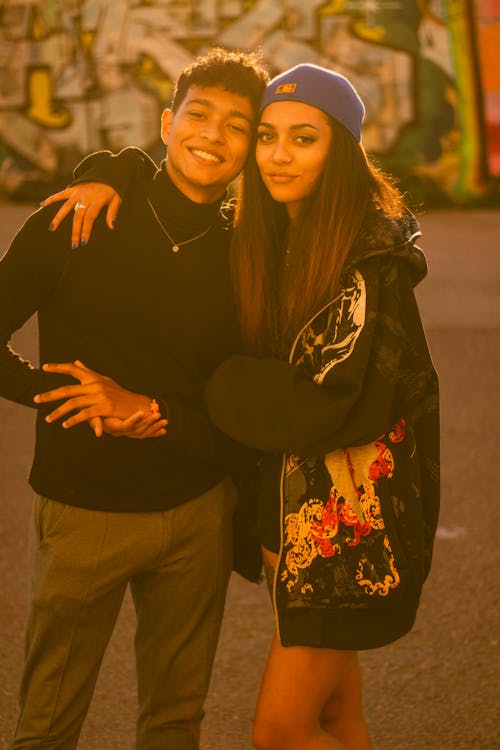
(386, 235)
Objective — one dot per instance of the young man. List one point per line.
(149, 305)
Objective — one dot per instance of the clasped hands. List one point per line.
(103, 403)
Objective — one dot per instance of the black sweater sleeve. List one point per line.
(28, 275)
(117, 170)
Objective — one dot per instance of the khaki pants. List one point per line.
(177, 563)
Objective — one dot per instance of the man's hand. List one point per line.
(86, 200)
(123, 412)
(138, 426)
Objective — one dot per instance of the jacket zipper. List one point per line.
(282, 481)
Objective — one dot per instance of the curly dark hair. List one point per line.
(237, 71)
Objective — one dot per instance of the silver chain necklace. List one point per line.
(176, 246)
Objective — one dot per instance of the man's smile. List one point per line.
(206, 156)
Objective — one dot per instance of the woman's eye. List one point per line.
(305, 139)
(264, 136)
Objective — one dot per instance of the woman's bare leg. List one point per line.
(342, 716)
(310, 698)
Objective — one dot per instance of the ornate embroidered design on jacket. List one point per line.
(351, 512)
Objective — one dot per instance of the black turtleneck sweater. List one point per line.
(156, 321)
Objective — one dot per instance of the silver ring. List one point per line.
(78, 205)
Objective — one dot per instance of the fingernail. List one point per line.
(74, 245)
(42, 203)
(48, 419)
(113, 224)
(36, 399)
(83, 241)
(51, 226)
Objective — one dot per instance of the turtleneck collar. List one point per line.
(182, 216)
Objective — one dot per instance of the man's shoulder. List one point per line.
(36, 230)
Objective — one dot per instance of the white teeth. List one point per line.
(206, 156)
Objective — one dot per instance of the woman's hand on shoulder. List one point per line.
(86, 200)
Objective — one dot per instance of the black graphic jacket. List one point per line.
(355, 414)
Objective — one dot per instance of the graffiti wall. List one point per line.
(80, 75)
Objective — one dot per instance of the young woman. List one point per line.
(338, 391)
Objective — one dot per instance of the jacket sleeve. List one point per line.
(346, 398)
(117, 170)
(27, 278)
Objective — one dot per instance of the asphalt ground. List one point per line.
(436, 689)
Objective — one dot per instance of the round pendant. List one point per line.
(175, 249)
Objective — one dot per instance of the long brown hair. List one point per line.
(276, 297)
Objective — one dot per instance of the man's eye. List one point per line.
(197, 115)
(238, 128)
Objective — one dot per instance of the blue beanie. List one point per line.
(321, 88)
